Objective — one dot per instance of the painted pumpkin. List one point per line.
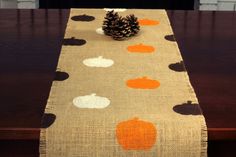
(91, 101)
(115, 9)
(148, 22)
(73, 41)
(84, 17)
(98, 62)
(100, 31)
(141, 48)
(178, 67)
(61, 76)
(136, 134)
(143, 83)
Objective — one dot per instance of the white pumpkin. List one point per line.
(98, 62)
(116, 10)
(100, 31)
(91, 101)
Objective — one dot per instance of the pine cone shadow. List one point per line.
(47, 120)
(187, 109)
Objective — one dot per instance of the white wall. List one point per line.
(224, 5)
(8, 3)
(22, 4)
(28, 4)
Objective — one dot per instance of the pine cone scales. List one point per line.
(134, 24)
(110, 18)
(120, 29)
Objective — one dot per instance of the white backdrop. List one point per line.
(26, 4)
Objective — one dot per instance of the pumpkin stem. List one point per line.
(136, 118)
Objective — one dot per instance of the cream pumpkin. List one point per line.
(91, 101)
(98, 62)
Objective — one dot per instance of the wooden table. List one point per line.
(30, 44)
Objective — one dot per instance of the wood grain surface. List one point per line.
(207, 43)
(30, 44)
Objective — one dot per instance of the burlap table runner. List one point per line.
(134, 101)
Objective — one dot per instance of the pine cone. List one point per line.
(134, 24)
(111, 16)
(120, 29)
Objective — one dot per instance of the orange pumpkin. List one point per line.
(148, 22)
(143, 83)
(136, 134)
(140, 48)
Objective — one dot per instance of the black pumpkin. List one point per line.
(84, 17)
